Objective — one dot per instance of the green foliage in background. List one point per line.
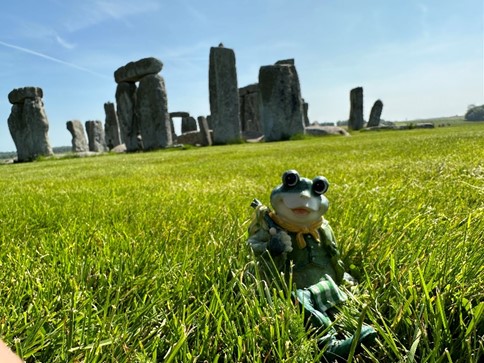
(142, 257)
(475, 113)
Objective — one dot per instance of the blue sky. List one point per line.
(421, 58)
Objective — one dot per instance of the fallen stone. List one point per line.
(326, 130)
(190, 138)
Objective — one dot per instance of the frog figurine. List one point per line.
(295, 238)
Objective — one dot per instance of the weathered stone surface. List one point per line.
(134, 71)
(112, 133)
(152, 110)
(18, 95)
(289, 62)
(79, 141)
(305, 112)
(355, 121)
(251, 88)
(375, 114)
(326, 130)
(281, 107)
(224, 96)
(95, 135)
(249, 108)
(190, 138)
(188, 124)
(179, 114)
(205, 135)
(29, 126)
(128, 125)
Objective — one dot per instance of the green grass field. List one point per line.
(141, 257)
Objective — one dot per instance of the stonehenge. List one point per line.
(249, 108)
(154, 124)
(375, 114)
(95, 136)
(112, 133)
(28, 123)
(143, 109)
(139, 120)
(355, 121)
(281, 104)
(223, 96)
(79, 141)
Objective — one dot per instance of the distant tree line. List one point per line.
(475, 113)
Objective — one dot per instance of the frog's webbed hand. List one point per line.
(259, 241)
(279, 243)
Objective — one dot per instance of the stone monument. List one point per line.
(79, 141)
(355, 121)
(224, 96)
(375, 114)
(28, 123)
(95, 135)
(143, 110)
(281, 104)
(111, 126)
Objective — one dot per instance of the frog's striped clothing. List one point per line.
(326, 294)
(320, 297)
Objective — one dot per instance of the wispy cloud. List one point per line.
(97, 11)
(64, 43)
(48, 57)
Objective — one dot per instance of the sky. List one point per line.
(422, 58)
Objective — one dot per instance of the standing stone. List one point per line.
(111, 126)
(188, 124)
(28, 123)
(128, 125)
(152, 111)
(224, 96)
(95, 135)
(249, 108)
(375, 114)
(306, 115)
(281, 105)
(355, 121)
(205, 136)
(79, 141)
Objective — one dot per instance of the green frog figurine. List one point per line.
(295, 237)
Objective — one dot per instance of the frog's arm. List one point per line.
(259, 238)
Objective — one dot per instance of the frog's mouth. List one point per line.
(301, 211)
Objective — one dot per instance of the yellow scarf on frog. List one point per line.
(300, 231)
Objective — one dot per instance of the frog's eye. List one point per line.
(320, 185)
(290, 178)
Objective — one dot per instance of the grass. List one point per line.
(141, 257)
